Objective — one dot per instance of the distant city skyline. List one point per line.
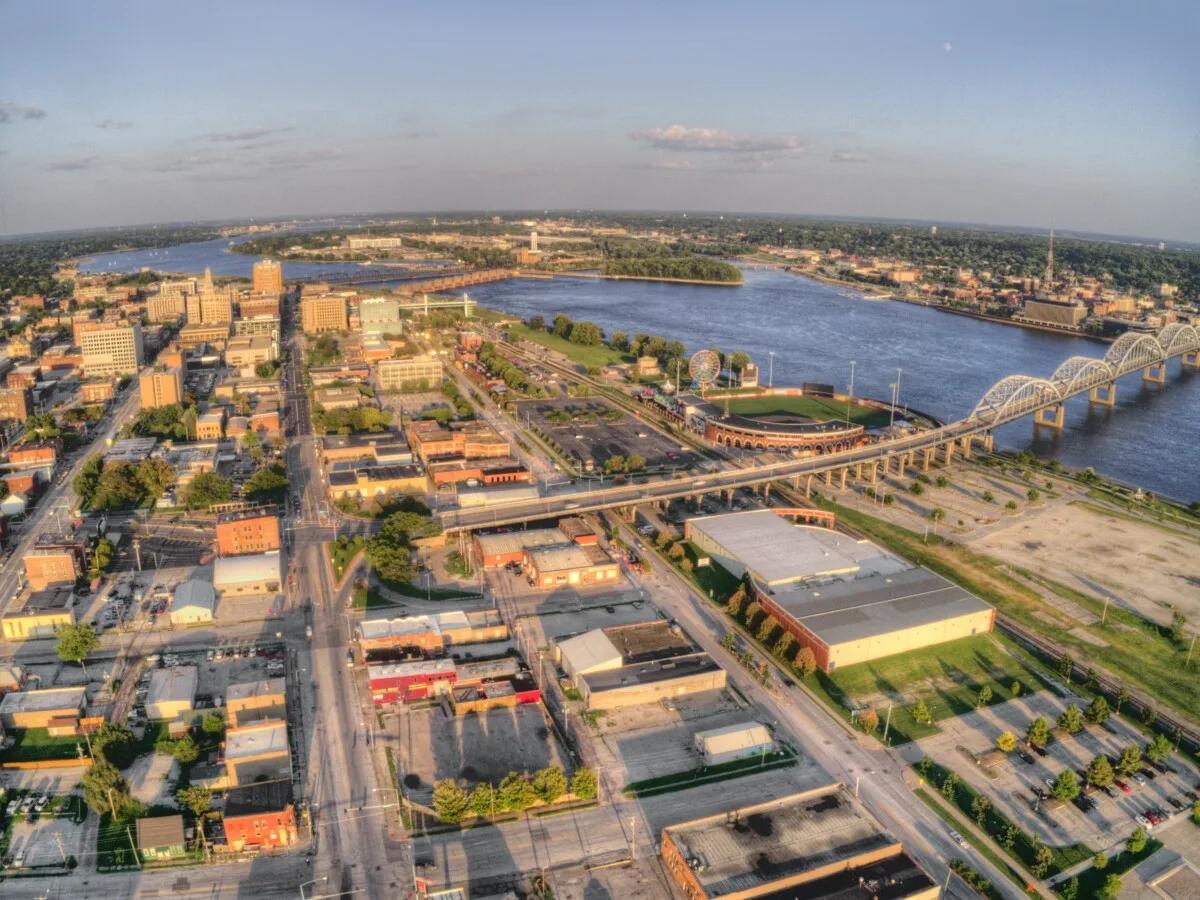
(1026, 115)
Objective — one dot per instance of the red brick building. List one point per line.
(247, 531)
(260, 816)
(35, 455)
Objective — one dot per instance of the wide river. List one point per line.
(947, 362)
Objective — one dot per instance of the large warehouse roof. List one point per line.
(591, 651)
(776, 551)
(42, 700)
(508, 542)
(861, 608)
(247, 569)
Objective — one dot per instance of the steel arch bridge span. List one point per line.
(1179, 338)
(1014, 397)
(1079, 373)
(1133, 351)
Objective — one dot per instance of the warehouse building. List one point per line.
(377, 481)
(258, 752)
(172, 692)
(408, 681)
(739, 741)
(242, 576)
(573, 565)
(40, 615)
(256, 701)
(630, 664)
(847, 600)
(388, 636)
(194, 603)
(38, 708)
(819, 845)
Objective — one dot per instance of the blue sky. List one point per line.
(1083, 115)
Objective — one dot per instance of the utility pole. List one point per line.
(137, 550)
(770, 368)
(888, 724)
(633, 829)
(850, 395)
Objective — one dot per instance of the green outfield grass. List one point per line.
(820, 409)
(598, 356)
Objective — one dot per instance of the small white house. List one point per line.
(194, 603)
(14, 506)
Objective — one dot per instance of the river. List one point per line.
(947, 362)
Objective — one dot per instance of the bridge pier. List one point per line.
(1058, 420)
(766, 492)
(1103, 395)
(948, 453)
(1191, 360)
(829, 477)
(965, 444)
(989, 442)
(842, 474)
(927, 456)
(872, 472)
(900, 464)
(808, 487)
(1155, 374)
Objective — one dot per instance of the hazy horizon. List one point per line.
(1024, 116)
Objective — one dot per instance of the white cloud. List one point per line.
(682, 138)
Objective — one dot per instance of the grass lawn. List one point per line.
(678, 781)
(714, 579)
(342, 551)
(419, 593)
(369, 598)
(1137, 650)
(598, 356)
(821, 409)
(1091, 880)
(948, 677)
(984, 848)
(32, 744)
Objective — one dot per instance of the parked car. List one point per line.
(1108, 789)
(1152, 816)
(1122, 786)
(958, 839)
(1139, 777)
(1177, 803)
(1040, 751)
(1025, 757)
(1143, 821)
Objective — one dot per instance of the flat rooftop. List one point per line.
(892, 878)
(777, 551)
(755, 847)
(842, 611)
(650, 672)
(54, 599)
(257, 739)
(257, 798)
(266, 687)
(564, 557)
(175, 684)
(42, 700)
(519, 541)
(648, 641)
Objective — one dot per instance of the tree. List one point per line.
(587, 334)
(980, 807)
(1137, 841)
(1178, 626)
(184, 750)
(738, 361)
(536, 323)
(921, 714)
(1006, 742)
(1071, 720)
(75, 642)
(950, 786)
(561, 326)
(197, 799)
(207, 489)
(1066, 785)
(1122, 697)
(619, 341)
(483, 800)
(1038, 732)
(1159, 748)
(1112, 886)
(268, 485)
(1099, 772)
(737, 603)
(985, 696)
(1011, 506)
(1070, 890)
(868, 720)
(583, 784)
(1130, 760)
(117, 487)
(1097, 711)
(104, 790)
(550, 783)
(88, 479)
(916, 489)
(102, 555)
(1043, 858)
(677, 551)
(1032, 495)
(1015, 690)
(213, 725)
(987, 497)
(1008, 838)
(806, 662)
(154, 475)
(516, 793)
(115, 743)
(1100, 861)
(449, 801)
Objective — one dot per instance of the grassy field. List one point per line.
(678, 781)
(33, 744)
(598, 356)
(948, 677)
(821, 409)
(342, 551)
(1135, 649)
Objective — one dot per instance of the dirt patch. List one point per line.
(152, 778)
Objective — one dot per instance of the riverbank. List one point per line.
(600, 276)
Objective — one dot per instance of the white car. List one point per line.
(1143, 821)
(958, 839)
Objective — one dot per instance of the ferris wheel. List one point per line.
(704, 367)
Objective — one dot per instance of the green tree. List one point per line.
(1100, 861)
(988, 497)
(267, 485)
(950, 786)
(1112, 886)
(806, 662)
(1122, 697)
(980, 807)
(1011, 506)
(868, 720)
(619, 342)
(184, 750)
(1130, 760)
(1043, 858)
(1038, 732)
(984, 697)
(1100, 772)
(921, 714)
(1008, 838)
(1006, 742)
(583, 784)
(550, 783)
(102, 555)
(213, 725)
(916, 489)
(117, 487)
(1015, 690)
(482, 801)
(587, 334)
(115, 743)
(197, 799)
(449, 801)
(207, 489)
(1159, 748)
(1033, 495)
(1137, 841)
(561, 326)
(88, 479)
(104, 790)
(1066, 785)
(75, 643)
(1071, 720)
(154, 475)
(1097, 711)
(516, 793)
(738, 361)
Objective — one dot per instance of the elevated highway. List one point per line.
(1010, 399)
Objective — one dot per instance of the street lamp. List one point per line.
(305, 884)
(770, 368)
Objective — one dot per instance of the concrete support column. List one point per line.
(858, 471)
(1156, 374)
(842, 481)
(966, 447)
(900, 463)
(989, 442)
(948, 452)
(795, 482)
(808, 487)
(1104, 395)
(766, 490)
(1191, 360)
(873, 473)
(1051, 417)
(927, 456)
(829, 477)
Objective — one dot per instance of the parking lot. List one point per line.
(217, 668)
(1012, 785)
(594, 431)
(44, 830)
(476, 749)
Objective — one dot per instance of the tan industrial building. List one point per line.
(816, 845)
(848, 600)
(632, 664)
(14, 404)
(165, 307)
(743, 740)
(112, 349)
(571, 565)
(172, 693)
(194, 603)
(160, 387)
(338, 397)
(380, 315)
(1054, 313)
(257, 752)
(407, 373)
(211, 425)
(98, 391)
(193, 336)
(267, 277)
(37, 708)
(248, 576)
(377, 481)
(434, 633)
(246, 352)
(40, 614)
(324, 313)
(256, 701)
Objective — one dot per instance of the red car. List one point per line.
(1123, 787)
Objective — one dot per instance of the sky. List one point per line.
(1080, 115)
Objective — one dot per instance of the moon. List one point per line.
(947, 46)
